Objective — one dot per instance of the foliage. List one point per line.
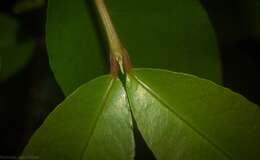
(183, 40)
(180, 116)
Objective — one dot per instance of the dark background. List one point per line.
(28, 97)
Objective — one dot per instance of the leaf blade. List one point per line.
(78, 128)
(193, 121)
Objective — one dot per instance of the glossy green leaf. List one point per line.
(93, 123)
(170, 34)
(14, 55)
(184, 117)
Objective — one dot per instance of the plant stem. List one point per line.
(118, 55)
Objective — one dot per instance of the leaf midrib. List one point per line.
(179, 116)
(102, 108)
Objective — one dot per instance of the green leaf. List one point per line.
(184, 117)
(14, 55)
(172, 34)
(93, 123)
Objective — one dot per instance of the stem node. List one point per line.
(119, 59)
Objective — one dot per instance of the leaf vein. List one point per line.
(102, 107)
